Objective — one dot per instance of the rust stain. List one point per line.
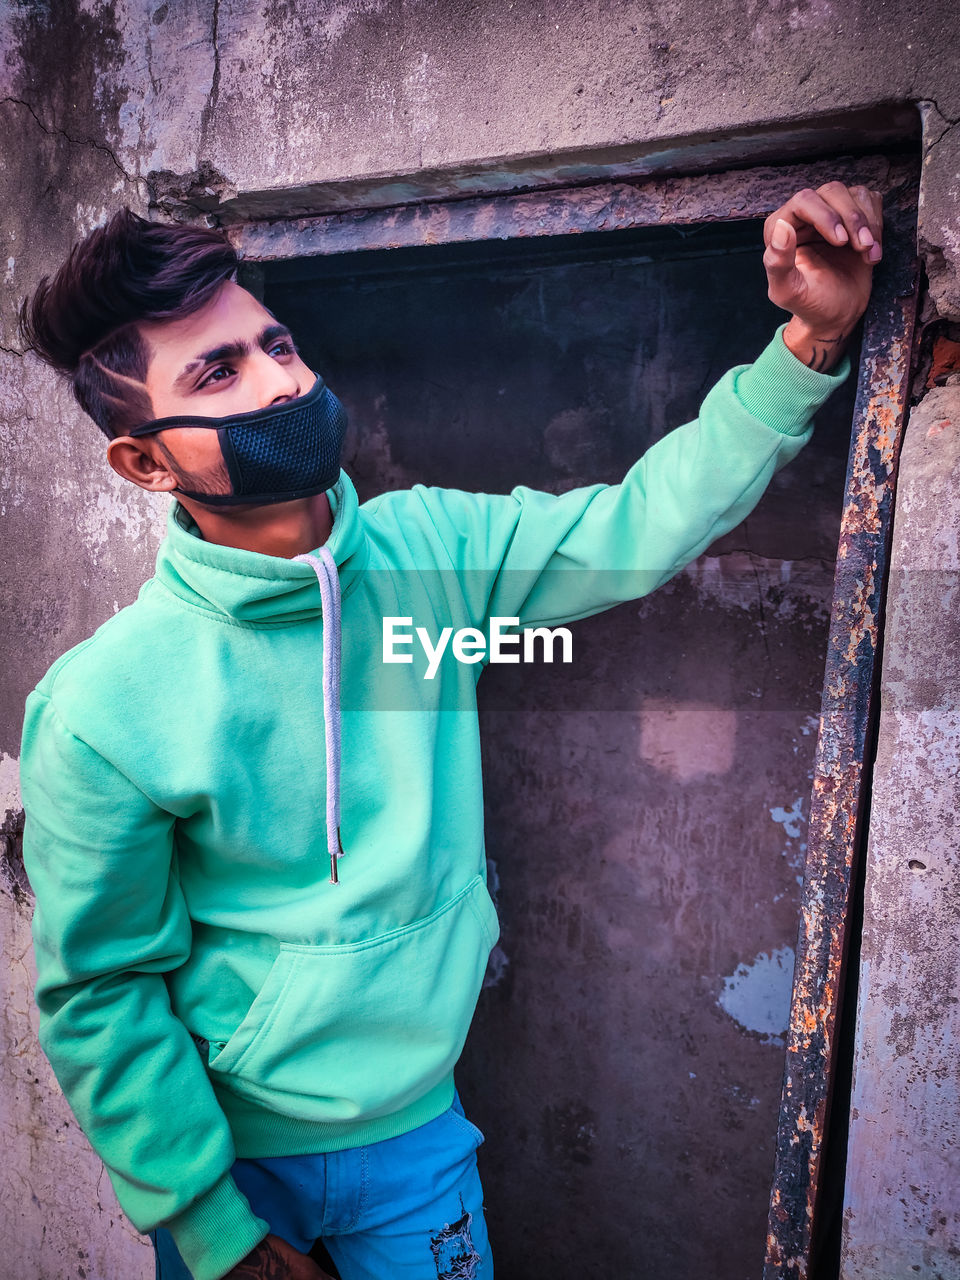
(937, 428)
(946, 360)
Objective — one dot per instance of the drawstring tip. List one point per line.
(335, 854)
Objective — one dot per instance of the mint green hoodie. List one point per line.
(205, 991)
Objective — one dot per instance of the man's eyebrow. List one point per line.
(229, 351)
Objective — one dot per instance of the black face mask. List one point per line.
(286, 451)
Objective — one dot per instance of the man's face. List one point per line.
(229, 357)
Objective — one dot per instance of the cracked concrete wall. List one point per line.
(244, 108)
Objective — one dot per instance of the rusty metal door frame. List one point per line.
(848, 709)
(845, 744)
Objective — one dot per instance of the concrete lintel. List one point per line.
(876, 128)
(654, 201)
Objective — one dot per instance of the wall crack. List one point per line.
(56, 131)
(949, 123)
(935, 142)
(214, 94)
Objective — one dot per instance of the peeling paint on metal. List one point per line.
(792, 819)
(846, 722)
(757, 995)
(794, 822)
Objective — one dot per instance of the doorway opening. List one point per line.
(662, 813)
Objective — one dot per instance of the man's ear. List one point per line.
(135, 459)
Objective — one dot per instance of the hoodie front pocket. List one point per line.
(366, 1028)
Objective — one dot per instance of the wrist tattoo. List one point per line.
(263, 1264)
(822, 351)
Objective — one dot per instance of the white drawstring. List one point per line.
(325, 567)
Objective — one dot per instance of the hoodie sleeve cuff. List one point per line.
(215, 1232)
(782, 391)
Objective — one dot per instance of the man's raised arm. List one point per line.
(547, 559)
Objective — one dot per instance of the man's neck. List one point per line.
(284, 529)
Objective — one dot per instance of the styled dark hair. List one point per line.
(83, 320)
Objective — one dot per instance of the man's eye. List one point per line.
(212, 375)
(285, 347)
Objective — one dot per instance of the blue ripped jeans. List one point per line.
(408, 1208)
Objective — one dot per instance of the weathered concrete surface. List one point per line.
(938, 224)
(902, 1212)
(75, 546)
(264, 108)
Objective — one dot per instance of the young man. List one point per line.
(258, 1034)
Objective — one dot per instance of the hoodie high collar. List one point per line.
(255, 589)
